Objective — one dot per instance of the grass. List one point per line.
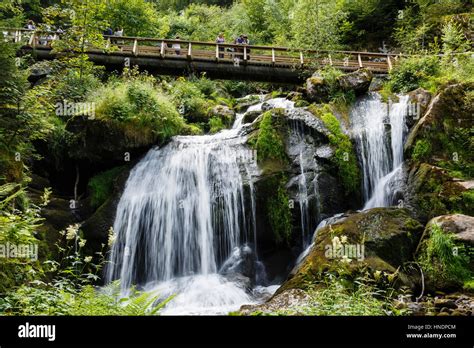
(332, 298)
(440, 261)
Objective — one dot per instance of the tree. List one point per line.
(317, 23)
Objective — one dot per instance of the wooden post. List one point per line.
(107, 45)
(135, 47)
(245, 52)
(15, 36)
(217, 51)
(389, 63)
(32, 41)
(301, 58)
(162, 49)
(330, 60)
(359, 58)
(190, 51)
(273, 56)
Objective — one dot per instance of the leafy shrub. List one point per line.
(138, 102)
(19, 221)
(411, 73)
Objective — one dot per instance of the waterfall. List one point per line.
(186, 217)
(379, 130)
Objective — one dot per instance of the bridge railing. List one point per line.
(219, 53)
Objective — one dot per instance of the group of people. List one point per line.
(235, 52)
(46, 35)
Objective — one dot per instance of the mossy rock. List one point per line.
(432, 192)
(389, 236)
(447, 128)
(107, 141)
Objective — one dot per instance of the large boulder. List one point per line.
(462, 226)
(357, 81)
(226, 114)
(317, 89)
(381, 239)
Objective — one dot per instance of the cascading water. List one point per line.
(186, 209)
(379, 130)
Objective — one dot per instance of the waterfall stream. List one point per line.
(379, 129)
(186, 220)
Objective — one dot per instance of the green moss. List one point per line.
(279, 213)
(422, 150)
(269, 144)
(442, 265)
(101, 185)
(344, 158)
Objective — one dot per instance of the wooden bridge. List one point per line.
(223, 61)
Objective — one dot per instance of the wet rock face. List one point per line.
(389, 237)
(419, 102)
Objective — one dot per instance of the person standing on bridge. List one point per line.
(177, 46)
(220, 40)
(118, 32)
(30, 25)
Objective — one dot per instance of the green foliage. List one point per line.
(136, 17)
(87, 301)
(439, 260)
(269, 145)
(412, 73)
(420, 22)
(71, 290)
(101, 185)
(216, 125)
(422, 150)
(344, 158)
(138, 102)
(279, 213)
(19, 221)
(190, 100)
(333, 297)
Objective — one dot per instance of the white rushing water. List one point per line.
(379, 129)
(186, 209)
